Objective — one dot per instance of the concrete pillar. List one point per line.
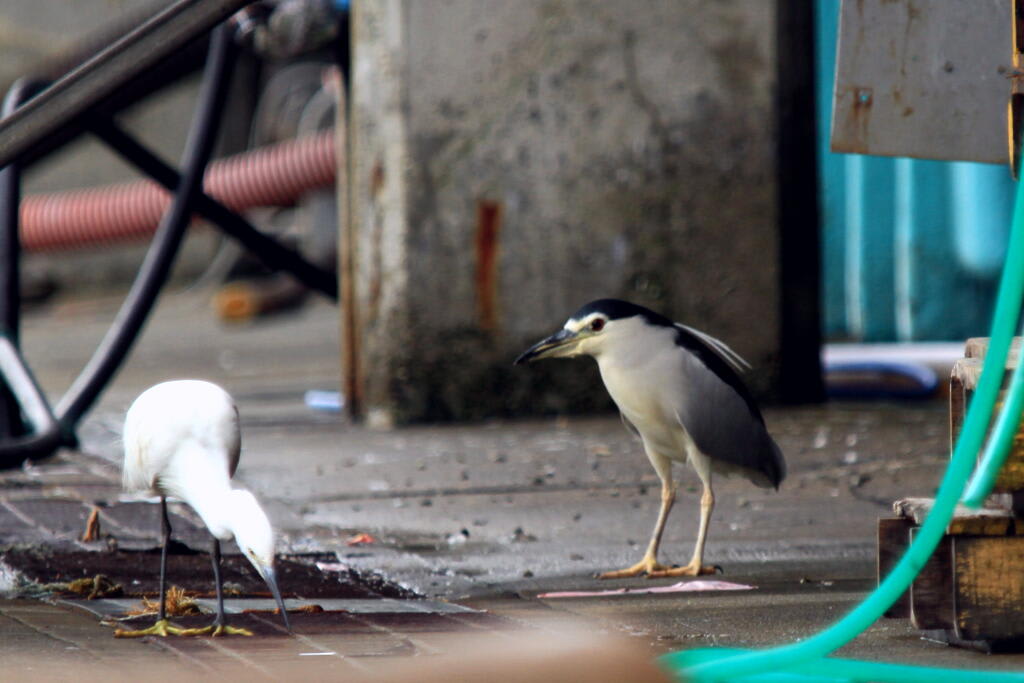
(514, 160)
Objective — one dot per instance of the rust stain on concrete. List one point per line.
(488, 227)
(376, 179)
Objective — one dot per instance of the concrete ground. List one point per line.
(489, 516)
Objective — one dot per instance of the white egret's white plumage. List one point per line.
(182, 440)
(678, 389)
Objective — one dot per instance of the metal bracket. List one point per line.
(922, 79)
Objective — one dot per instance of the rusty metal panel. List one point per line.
(924, 78)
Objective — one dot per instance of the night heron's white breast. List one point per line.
(634, 368)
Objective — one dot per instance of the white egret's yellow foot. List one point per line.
(225, 630)
(162, 628)
(689, 570)
(648, 565)
(216, 631)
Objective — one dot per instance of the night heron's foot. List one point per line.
(692, 569)
(216, 630)
(648, 566)
(162, 628)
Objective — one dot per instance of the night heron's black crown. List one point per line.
(616, 309)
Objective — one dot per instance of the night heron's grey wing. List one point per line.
(724, 351)
(720, 415)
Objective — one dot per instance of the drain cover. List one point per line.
(116, 607)
(138, 573)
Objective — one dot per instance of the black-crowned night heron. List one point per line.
(680, 391)
(182, 440)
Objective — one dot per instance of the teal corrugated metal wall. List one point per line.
(912, 249)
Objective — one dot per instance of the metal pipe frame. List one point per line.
(27, 424)
(29, 429)
(273, 253)
(98, 79)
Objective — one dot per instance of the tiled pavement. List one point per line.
(42, 641)
(543, 504)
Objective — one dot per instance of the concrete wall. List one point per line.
(514, 160)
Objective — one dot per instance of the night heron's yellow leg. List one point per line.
(696, 566)
(649, 564)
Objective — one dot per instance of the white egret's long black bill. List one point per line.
(271, 578)
(547, 347)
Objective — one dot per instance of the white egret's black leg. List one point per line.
(220, 620)
(162, 627)
(165, 527)
(219, 627)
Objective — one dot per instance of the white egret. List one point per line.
(182, 440)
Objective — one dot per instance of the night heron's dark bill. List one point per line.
(551, 347)
(270, 578)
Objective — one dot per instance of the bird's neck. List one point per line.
(624, 353)
(212, 508)
(207, 491)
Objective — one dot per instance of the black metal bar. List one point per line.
(797, 196)
(273, 254)
(108, 71)
(107, 358)
(11, 423)
(10, 204)
(10, 247)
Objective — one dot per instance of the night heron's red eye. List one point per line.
(597, 325)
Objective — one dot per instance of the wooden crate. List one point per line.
(971, 591)
(962, 383)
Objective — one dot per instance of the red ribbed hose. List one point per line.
(276, 175)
